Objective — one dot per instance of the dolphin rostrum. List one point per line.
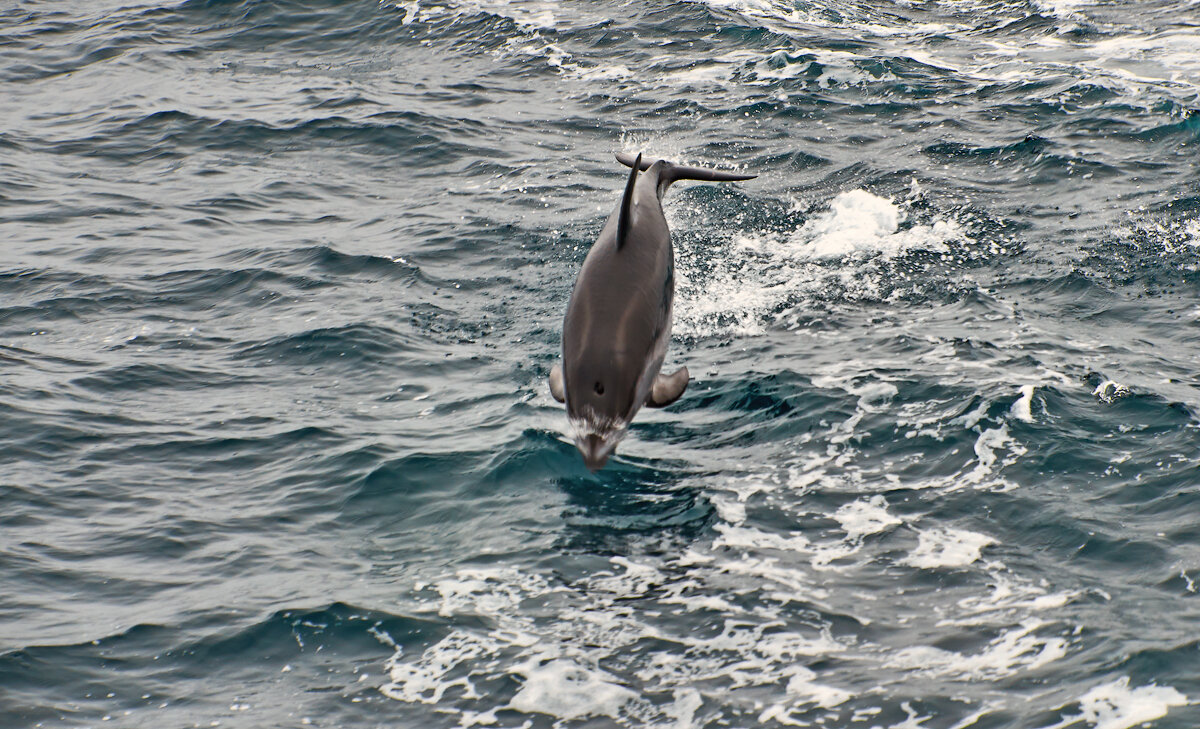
(618, 321)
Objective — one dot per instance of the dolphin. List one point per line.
(618, 320)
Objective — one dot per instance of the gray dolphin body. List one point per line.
(618, 321)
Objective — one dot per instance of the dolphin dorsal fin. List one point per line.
(626, 216)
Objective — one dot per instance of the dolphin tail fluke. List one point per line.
(626, 216)
(668, 388)
(629, 161)
(672, 172)
(556, 384)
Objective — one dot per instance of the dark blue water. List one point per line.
(281, 283)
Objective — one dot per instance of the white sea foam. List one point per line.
(683, 708)
(633, 579)
(787, 17)
(872, 397)
(912, 719)
(785, 584)
(987, 444)
(412, 10)
(1191, 230)
(567, 690)
(525, 13)
(802, 685)
(1008, 599)
(858, 519)
(1021, 648)
(765, 9)
(747, 537)
(1022, 409)
(1116, 706)
(529, 15)
(730, 510)
(759, 652)
(995, 448)
(972, 719)
(1062, 8)
(442, 666)
(486, 591)
(802, 692)
(865, 517)
(938, 548)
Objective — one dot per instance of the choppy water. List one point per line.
(281, 283)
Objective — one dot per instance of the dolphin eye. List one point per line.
(599, 388)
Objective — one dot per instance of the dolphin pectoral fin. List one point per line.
(667, 388)
(556, 384)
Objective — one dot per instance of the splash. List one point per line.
(858, 222)
(853, 251)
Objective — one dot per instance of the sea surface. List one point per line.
(281, 282)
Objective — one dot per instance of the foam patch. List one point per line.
(947, 548)
(1116, 706)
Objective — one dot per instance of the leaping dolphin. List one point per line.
(618, 321)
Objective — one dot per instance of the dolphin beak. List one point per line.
(595, 451)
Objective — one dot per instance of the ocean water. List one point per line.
(281, 283)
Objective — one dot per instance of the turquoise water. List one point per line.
(281, 284)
